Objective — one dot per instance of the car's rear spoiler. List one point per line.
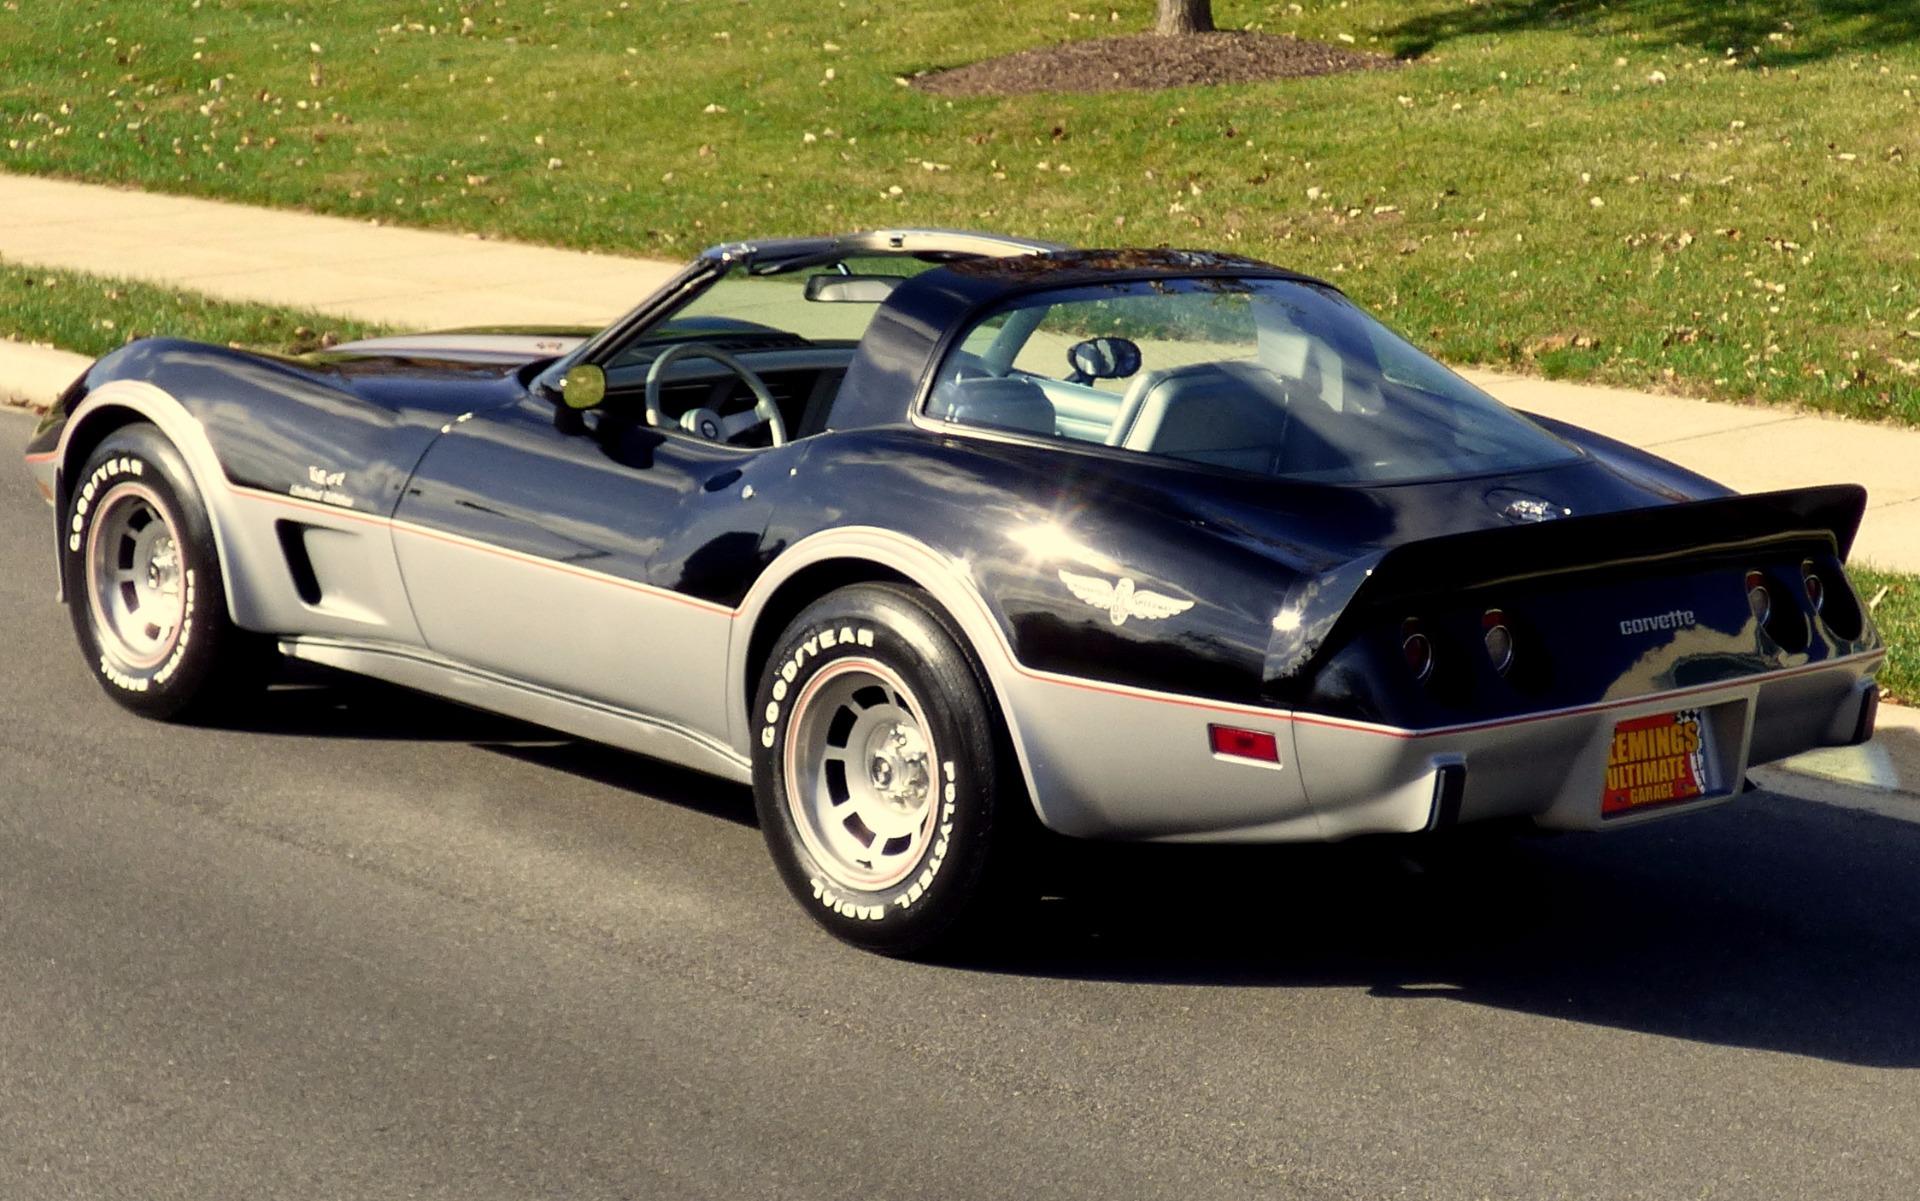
(1826, 517)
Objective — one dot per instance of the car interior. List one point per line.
(796, 331)
(1293, 386)
(1287, 383)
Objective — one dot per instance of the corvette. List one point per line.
(936, 537)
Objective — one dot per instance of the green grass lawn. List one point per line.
(93, 316)
(1896, 611)
(1718, 198)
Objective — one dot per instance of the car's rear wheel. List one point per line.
(144, 586)
(880, 772)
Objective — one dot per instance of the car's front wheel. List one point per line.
(879, 771)
(144, 587)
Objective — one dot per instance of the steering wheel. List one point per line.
(703, 422)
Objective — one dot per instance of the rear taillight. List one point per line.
(1832, 600)
(1759, 599)
(1774, 611)
(1815, 589)
(1498, 637)
(1417, 648)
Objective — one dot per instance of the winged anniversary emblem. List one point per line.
(1121, 599)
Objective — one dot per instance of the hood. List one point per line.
(500, 345)
(454, 371)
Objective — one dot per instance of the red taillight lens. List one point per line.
(1418, 649)
(1499, 639)
(1758, 598)
(1816, 591)
(1244, 744)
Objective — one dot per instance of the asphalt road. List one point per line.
(375, 946)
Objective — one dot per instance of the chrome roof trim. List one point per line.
(774, 254)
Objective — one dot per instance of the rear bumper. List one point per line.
(1552, 767)
(1123, 763)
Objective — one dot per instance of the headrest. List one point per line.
(1008, 403)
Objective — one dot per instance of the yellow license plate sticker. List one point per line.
(1656, 760)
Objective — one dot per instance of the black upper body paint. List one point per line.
(1301, 593)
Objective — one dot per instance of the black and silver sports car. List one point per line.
(930, 534)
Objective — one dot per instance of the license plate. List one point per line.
(1661, 759)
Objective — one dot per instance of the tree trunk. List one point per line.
(1185, 16)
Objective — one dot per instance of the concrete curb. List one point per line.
(34, 376)
(1889, 764)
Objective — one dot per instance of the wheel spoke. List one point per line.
(859, 746)
(133, 590)
(739, 423)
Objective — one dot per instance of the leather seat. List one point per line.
(1227, 414)
(1008, 403)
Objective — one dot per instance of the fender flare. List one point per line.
(180, 427)
(939, 575)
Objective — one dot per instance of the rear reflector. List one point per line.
(1244, 744)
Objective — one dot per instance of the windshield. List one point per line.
(1262, 375)
(823, 304)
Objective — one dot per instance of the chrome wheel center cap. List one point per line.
(163, 568)
(897, 765)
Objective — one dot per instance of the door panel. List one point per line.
(601, 558)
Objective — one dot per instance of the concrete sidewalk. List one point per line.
(1751, 448)
(419, 279)
(403, 277)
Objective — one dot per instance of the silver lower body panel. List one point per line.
(1124, 763)
(1552, 768)
(425, 671)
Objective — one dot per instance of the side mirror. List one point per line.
(1102, 358)
(583, 387)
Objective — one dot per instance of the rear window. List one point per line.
(1266, 376)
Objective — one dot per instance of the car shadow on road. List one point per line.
(618, 769)
(1770, 923)
(315, 703)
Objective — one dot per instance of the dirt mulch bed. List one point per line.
(1146, 62)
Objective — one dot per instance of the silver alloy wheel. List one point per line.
(861, 775)
(134, 577)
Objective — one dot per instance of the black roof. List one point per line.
(907, 332)
(1065, 268)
